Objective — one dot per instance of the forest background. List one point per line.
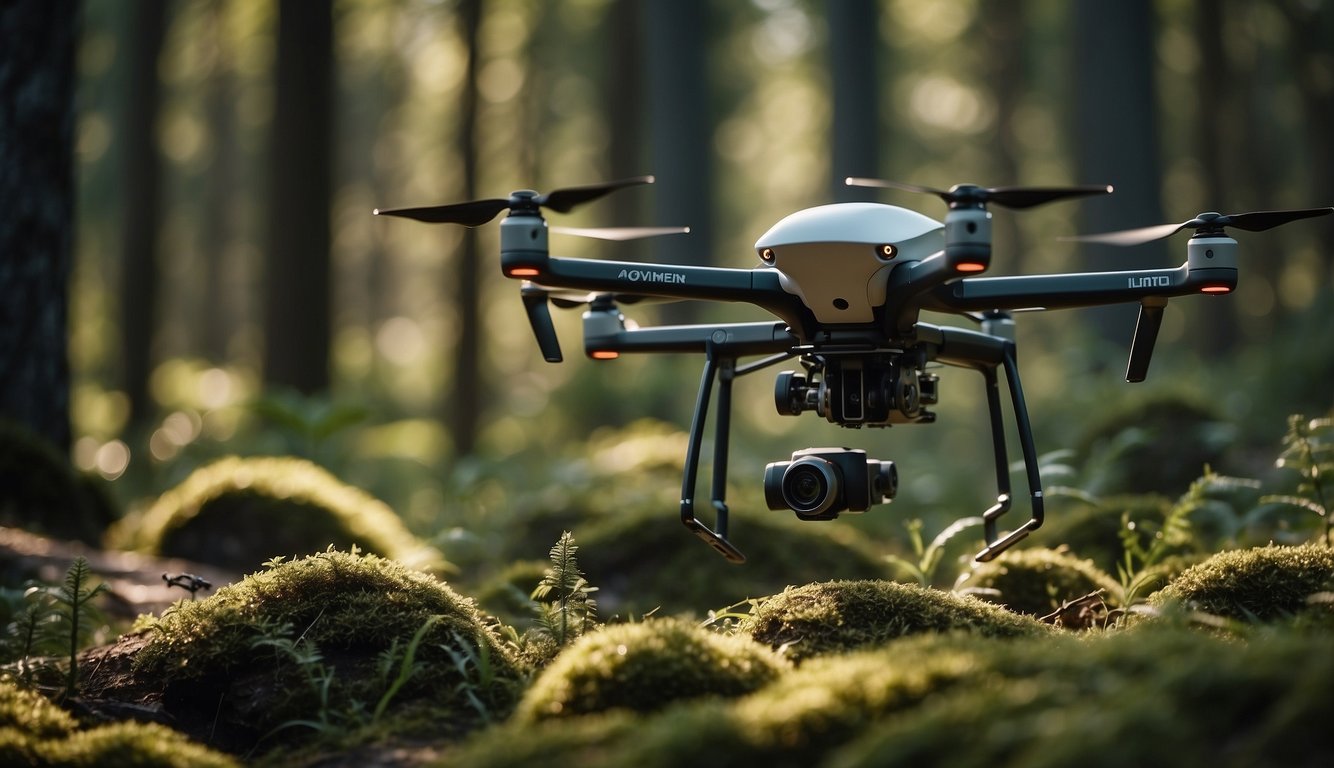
(221, 286)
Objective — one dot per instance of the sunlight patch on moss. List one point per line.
(240, 511)
(1037, 581)
(837, 616)
(644, 667)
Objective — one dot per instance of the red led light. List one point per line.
(1216, 289)
(604, 354)
(523, 272)
(970, 266)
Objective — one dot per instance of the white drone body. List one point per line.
(837, 258)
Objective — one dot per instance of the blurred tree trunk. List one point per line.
(1003, 27)
(141, 172)
(1116, 141)
(1311, 27)
(219, 223)
(680, 135)
(1216, 328)
(465, 400)
(624, 104)
(297, 322)
(854, 41)
(38, 39)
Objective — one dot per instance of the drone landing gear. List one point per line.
(995, 543)
(719, 364)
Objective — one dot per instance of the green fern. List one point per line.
(74, 607)
(1308, 447)
(565, 606)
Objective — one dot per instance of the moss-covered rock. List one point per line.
(1261, 584)
(644, 559)
(1037, 581)
(320, 641)
(33, 731)
(644, 667)
(834, 617)
(239, 512)
(42, 492)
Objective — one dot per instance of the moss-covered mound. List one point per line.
(1264, 584)
(1171, 698)
(644, 667)
(833, 617)
(336, 643)
(1164, 696)
(33, 731)
(239, 512)
(644, 559)
(42, 492)
(1037, 581)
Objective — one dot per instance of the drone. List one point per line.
(847, 284)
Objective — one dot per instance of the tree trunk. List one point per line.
(680, 135)
(1116, 140)
(854, 40)
(37, 49)
(465, 401)
(297, 324)
(141, 173)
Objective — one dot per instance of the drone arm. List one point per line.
(605, 335)
(760, 287)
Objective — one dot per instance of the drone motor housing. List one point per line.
(820, 483)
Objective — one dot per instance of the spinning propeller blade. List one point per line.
(620, 233)
(1007, 197)
(1210, 223)
(477, 212)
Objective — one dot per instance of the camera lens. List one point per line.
(810, 486)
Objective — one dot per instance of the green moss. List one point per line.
(239, 512)
(643, 667)
(33, 731)
(41, 492)
(1155, 698)
(218, 662)
(132, 745)
(1264, 584)
(834, 617)
(29, 712)
(1037, 581)
(644, 559)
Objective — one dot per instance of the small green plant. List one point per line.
(1146, 550)
(565, 606)
(929, 556)
(75, 609)
(1308, 447)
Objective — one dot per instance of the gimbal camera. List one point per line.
(847, 283)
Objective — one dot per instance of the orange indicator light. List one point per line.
(1216, 289)
(970, 266)
(523, 272)
(604, 354)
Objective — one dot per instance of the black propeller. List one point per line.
(966, 195)
(1210, 223)
(477, 212)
